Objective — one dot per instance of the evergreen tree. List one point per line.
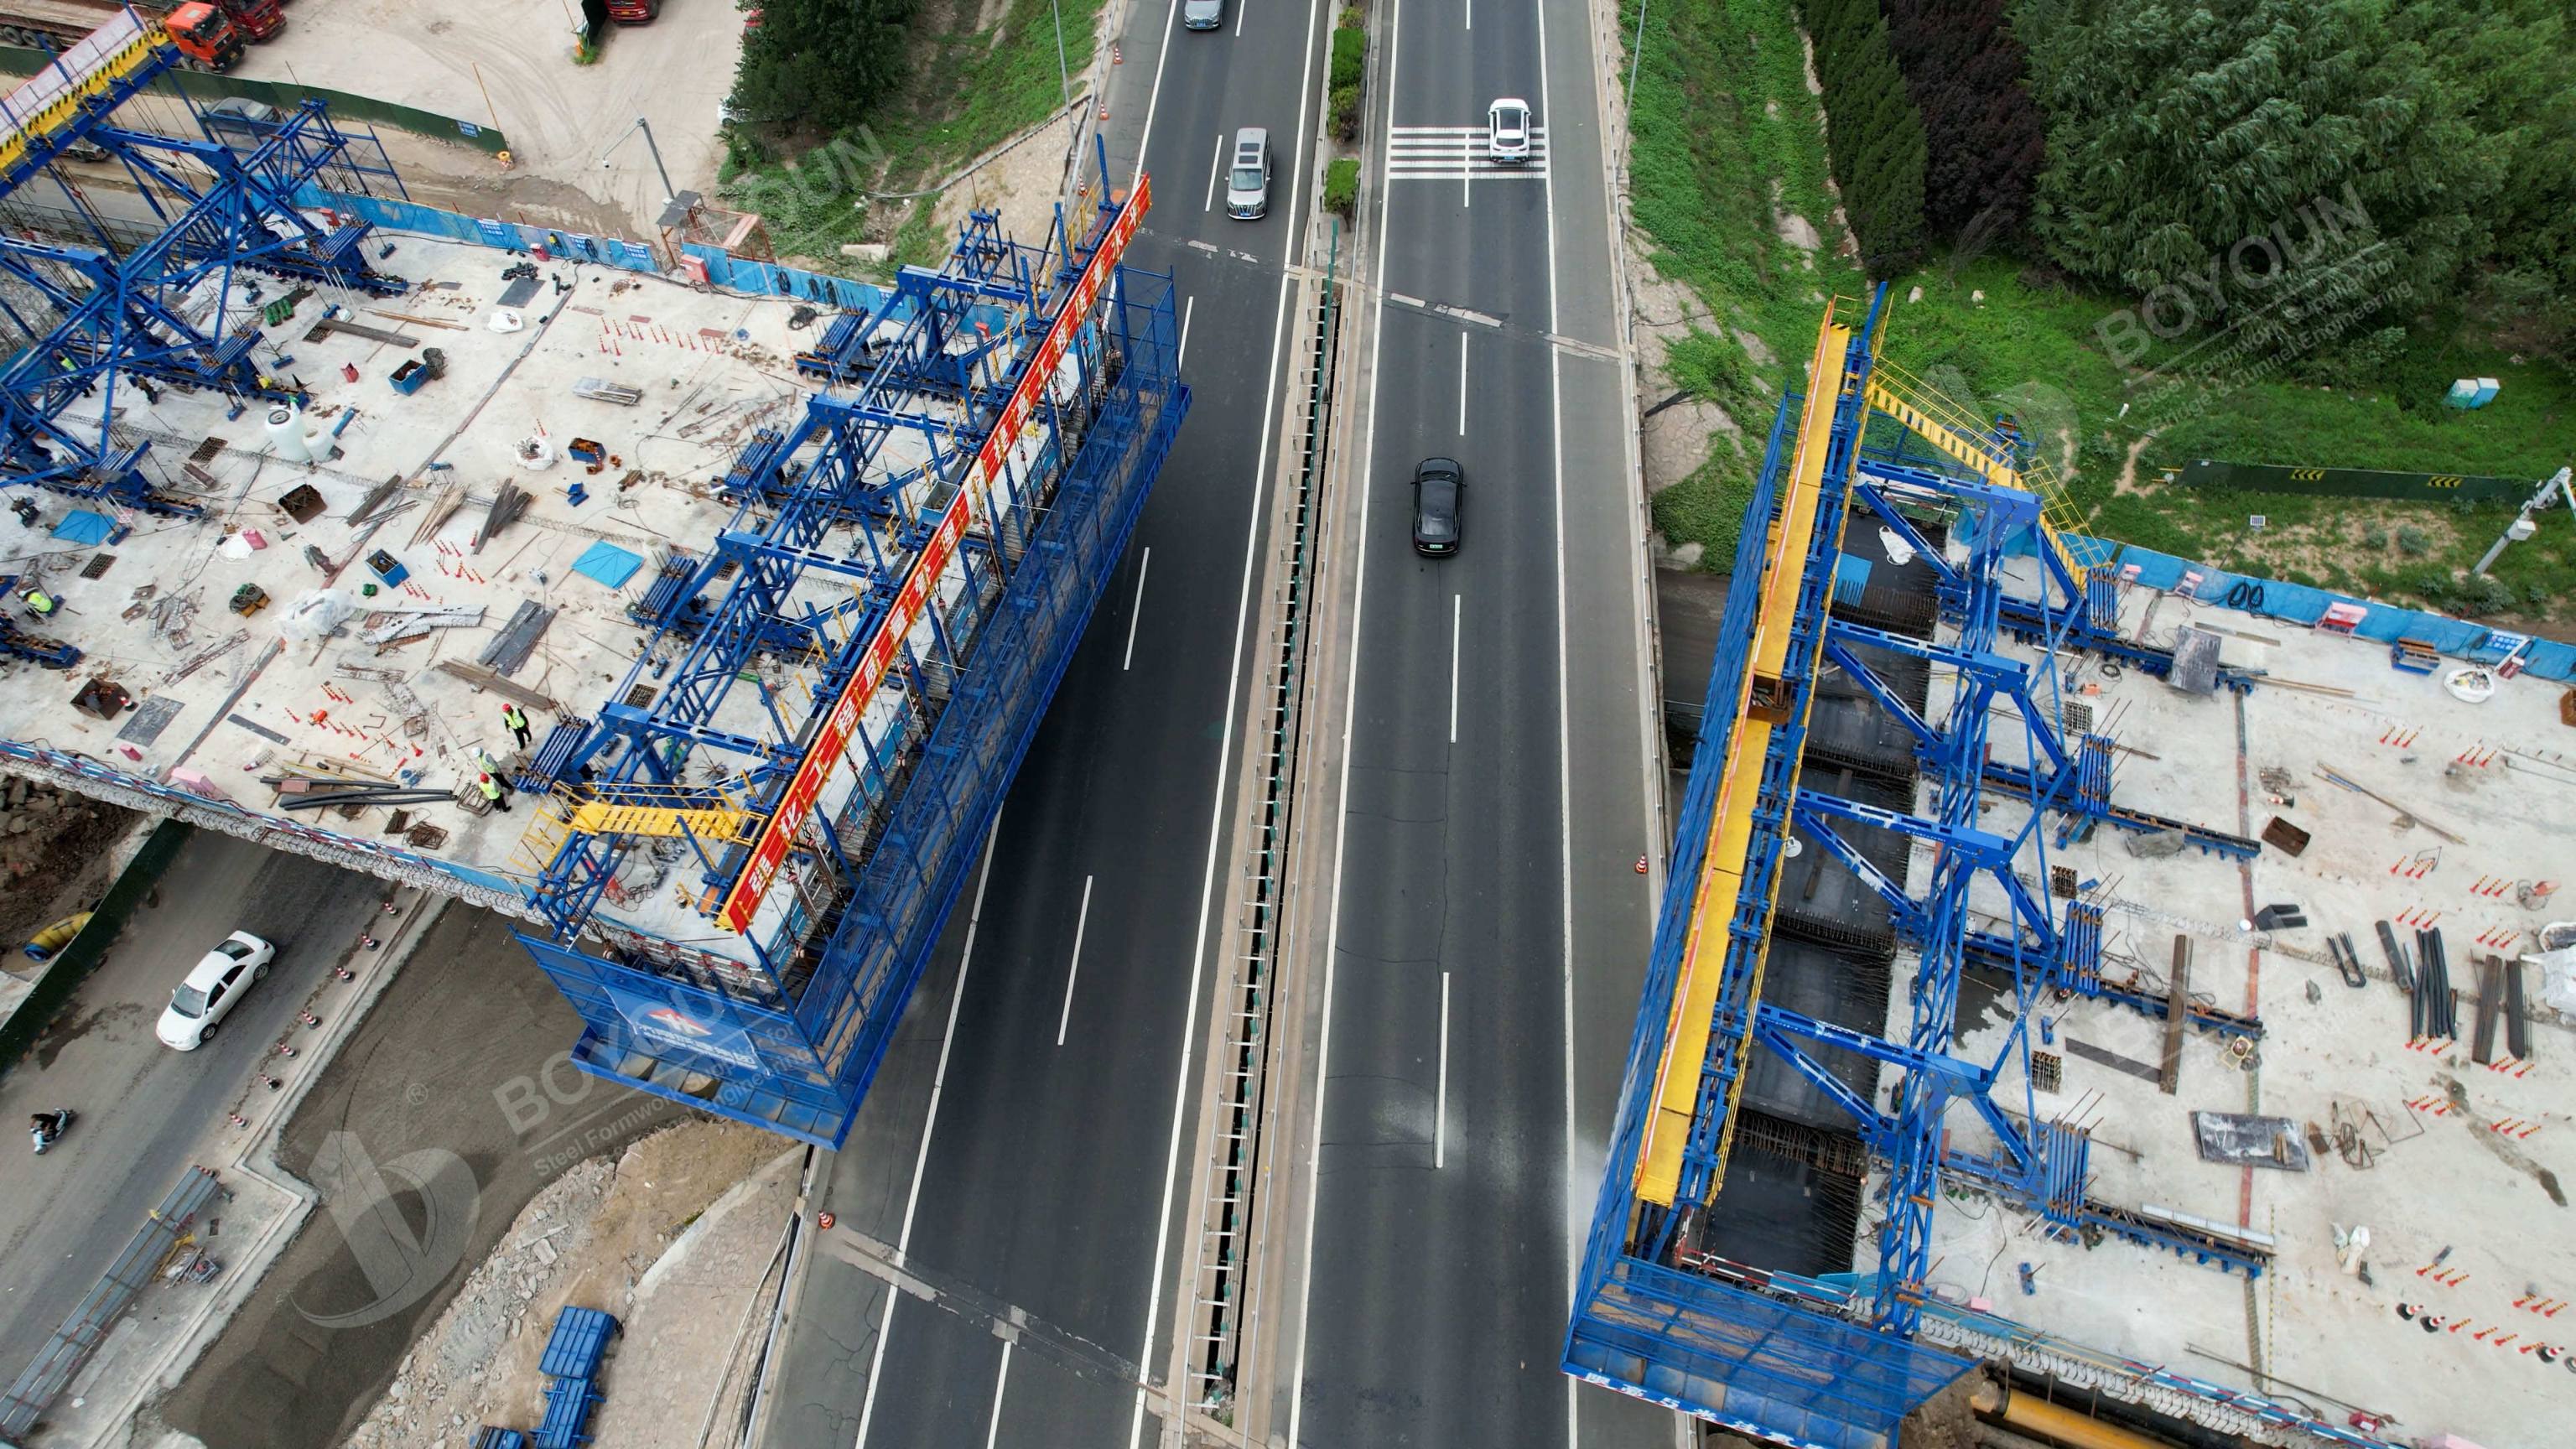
(821, 63)
(1982, 135)
(1872, 134)
(2189, 146)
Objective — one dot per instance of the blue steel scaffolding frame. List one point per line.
(790, 1038)
(1765, 1353)
(82, 320)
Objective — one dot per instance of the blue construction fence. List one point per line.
(724, 270)
(2301, 604)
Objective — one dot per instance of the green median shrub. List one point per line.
(1342, 185)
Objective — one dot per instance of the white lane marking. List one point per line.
(1181, 359)
(1471, 14)
(1001, 1381)
(1241, 9)
(1575, 1217)
(1154, 96)
(1440, 1111)
(1462, 384)
(1138, 612)
(1216, 168)
(1073, 968)
(1234, 680)
(1342, 808)
(930, 1120)
(1457, 604)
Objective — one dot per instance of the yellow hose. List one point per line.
(2052, 1421)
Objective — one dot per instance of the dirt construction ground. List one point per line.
(509, 63)
(448, 1110)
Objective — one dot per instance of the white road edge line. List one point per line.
(1073, 966)
(1457, 610)
(1001, 1381)
(1342, 807)
(929, 1121)
(1234, 679)
(1216, 168)
(1575, 1216)
(1154, 96)
(1138, 612)
(1440, 1111)
(1181, 358)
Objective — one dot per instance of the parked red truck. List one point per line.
(209, 35)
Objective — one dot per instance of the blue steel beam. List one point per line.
(116, 317)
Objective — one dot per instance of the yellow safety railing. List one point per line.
(538, 843)
(1956, 432)
(66, 104)
(1759, 708)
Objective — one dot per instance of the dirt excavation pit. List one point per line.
(55, 852)
(678, 1237)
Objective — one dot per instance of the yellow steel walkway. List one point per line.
(716, 824)
(1955, 431)
(1757, 711)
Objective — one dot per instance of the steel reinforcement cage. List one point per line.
(797, 1055)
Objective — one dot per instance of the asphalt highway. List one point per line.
(1489, 927)
(1052, 1183)
(145, 1111)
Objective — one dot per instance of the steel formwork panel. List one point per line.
(797, 1055)
(1652, 1319)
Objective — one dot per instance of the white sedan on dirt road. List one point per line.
(219, 981)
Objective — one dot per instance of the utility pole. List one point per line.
(1063, 76)
(2522, 526)
(668, 190)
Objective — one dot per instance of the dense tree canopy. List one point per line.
(1982, 135)
(2191, 143)
(1872, 133)
(821, 63)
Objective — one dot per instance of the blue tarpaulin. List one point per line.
(2301, 604)
(83, 526)
(607, 563)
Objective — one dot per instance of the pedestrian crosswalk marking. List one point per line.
(1457, 153)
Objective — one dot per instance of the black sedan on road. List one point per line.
(1439, 497)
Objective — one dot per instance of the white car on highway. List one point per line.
(219, 981)
(1507, 131)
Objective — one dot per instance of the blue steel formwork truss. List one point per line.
(1656, 1316)
(83, 320)
(786, 1029)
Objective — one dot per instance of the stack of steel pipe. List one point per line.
(2437, 1016)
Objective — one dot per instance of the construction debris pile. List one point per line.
(677, 1239)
